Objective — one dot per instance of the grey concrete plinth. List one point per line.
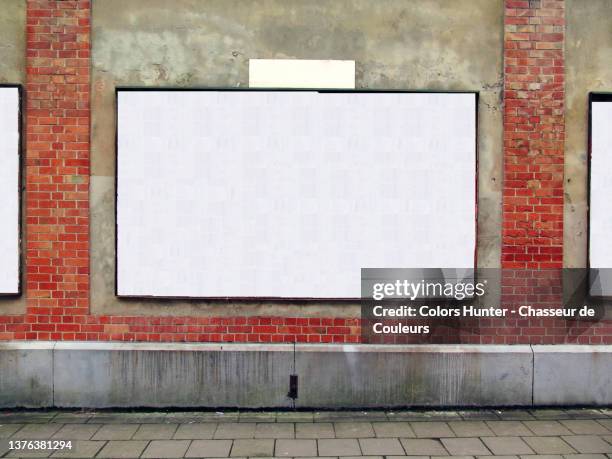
(416, 375)
(26, 374)
(572, 375)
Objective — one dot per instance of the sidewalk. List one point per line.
(550, 434)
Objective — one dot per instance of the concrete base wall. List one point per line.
(103, 375)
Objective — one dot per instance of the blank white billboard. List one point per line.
(9, 190)
(289, 193)
(600, 211)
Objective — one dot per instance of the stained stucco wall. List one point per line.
(401, 44)
(12, 71)
(588, 68)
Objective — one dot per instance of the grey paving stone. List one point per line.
(479, 415)
(36, 432)
(470, 429)
(155, 432)
(76, 432)
(231, 430)
(453, 457)
(267, 416)
(29, 453)
(345, 416)
(314, 430)
(497, 457)
(607, 423)
(509, 428)
(507, 446)
(464, 446)
(199, 431)
(545, 428)
(585, 427)
(542, 456)
(166, 449)
(431, 429)
(116, 432)
(294, 416)
(381, 446)
(121, 449)
(393, 429)
(423, 447)
(585, 413)
(339, 447)
(363, 457)
(411, 457)
(31, 417)
(6, 430)
(209, 448)
(440, 416)
(549, 414)
(549, 445)
(608, 438)
(588, 444)
(514, 415)
(585, 456)
(295, 448)
(72, 418)
(253, 448)
(80, 449)
(275, 430)
(353, 429)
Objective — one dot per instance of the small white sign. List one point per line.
(301, 73)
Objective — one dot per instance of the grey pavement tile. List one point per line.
(381, 446)
(120, 449)
(209, 448)
(585, 456)
(314, 430)
(155, 432)
(479, 415)
(6, 430)
(346, 416)
(76, 432)
(545, 428)
(588, 444)
(423, 416)
(549, 445)
(433, 429)
(542, 456)
(231, 430)
(30, 453)
(339, 447)
(199, 431)
(423, 447)
(502, 446)
(412, 457)
(585, 413)
(607, 423)
(509, 428)
(353, 429)
(72, 418)
(553, 414)
(127, 418)
(295, 448)
(514, 415)
(453, 457)
(395, 429)
(195, 417)
(80, 449)
(166, 449)
(36, 432)
(29, 417)
(253, 448)
(465, 446)
(607, 438)
(294, 416)
(275, 430)
(364, 457)
(116, 432)
(585, 427)
(265, 416)
(470, 429)
(498, 457)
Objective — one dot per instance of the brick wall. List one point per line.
(57, 208)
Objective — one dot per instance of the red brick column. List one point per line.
(57, 167)
(534, 133)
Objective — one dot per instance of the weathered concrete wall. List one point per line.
(403, 44)
(588, 57)
(12, 71)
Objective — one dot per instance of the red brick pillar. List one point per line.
(534, 133)
(57, 168)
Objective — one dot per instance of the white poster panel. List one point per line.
(600, 224)
(301, 73)
(9, 190)
(289, 193)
